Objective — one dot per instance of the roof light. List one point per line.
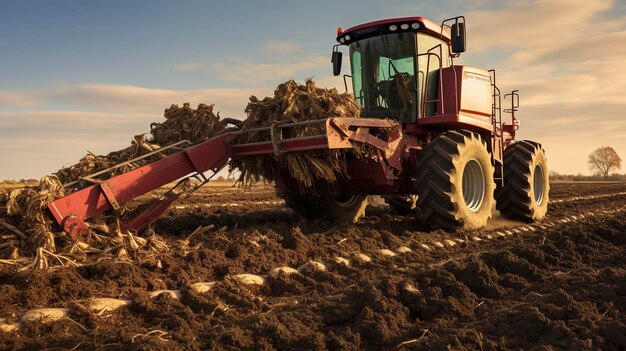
(347, 37)
(393, 27)
(404, 26)
(415, 25)
(339, 31)
(342, 40)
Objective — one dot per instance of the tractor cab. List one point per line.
(395, 65)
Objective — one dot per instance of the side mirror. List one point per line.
(458, 37)
(336, 59)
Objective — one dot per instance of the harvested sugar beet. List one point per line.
(291, 103)
(181, 123)
(185, 123)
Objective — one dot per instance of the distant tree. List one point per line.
(603, 160)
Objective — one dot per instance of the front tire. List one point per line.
(525, 194)
(455, 182)
(342, 209)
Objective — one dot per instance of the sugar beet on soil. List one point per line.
(561, 287)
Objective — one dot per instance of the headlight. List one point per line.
(393, 28)
(404, 26)
(347, 37)
(342, 40)
(415, 25)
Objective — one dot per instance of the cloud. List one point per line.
(276, 46)
(131, 99)
(252, 73)
(536, 25)
(35, 143)
(337, 82)
(190, 66)
(555, 36)
(334, 82)
(569, 131)
(562, 56)
(105, 97)
(9, 98)
(69, 123)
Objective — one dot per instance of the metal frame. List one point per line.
(212, 155)
(95, 199)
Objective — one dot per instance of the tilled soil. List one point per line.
(384, 283)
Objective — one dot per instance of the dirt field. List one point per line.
(380, 284)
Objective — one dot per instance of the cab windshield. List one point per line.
(383, 76)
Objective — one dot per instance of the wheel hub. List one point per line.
(538, 184)
(473, 184)
(346, 201)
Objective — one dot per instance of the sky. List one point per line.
(78, 76)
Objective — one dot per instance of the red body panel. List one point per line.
(455, 121)
(473, 95)
(464, 100)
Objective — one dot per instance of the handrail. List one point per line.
(496, 106)
(427, 80)
(283, 126)
(514, 108)
(83, 178)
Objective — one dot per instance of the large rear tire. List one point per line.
(455, 182)
(525, 194)
(342, 209)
